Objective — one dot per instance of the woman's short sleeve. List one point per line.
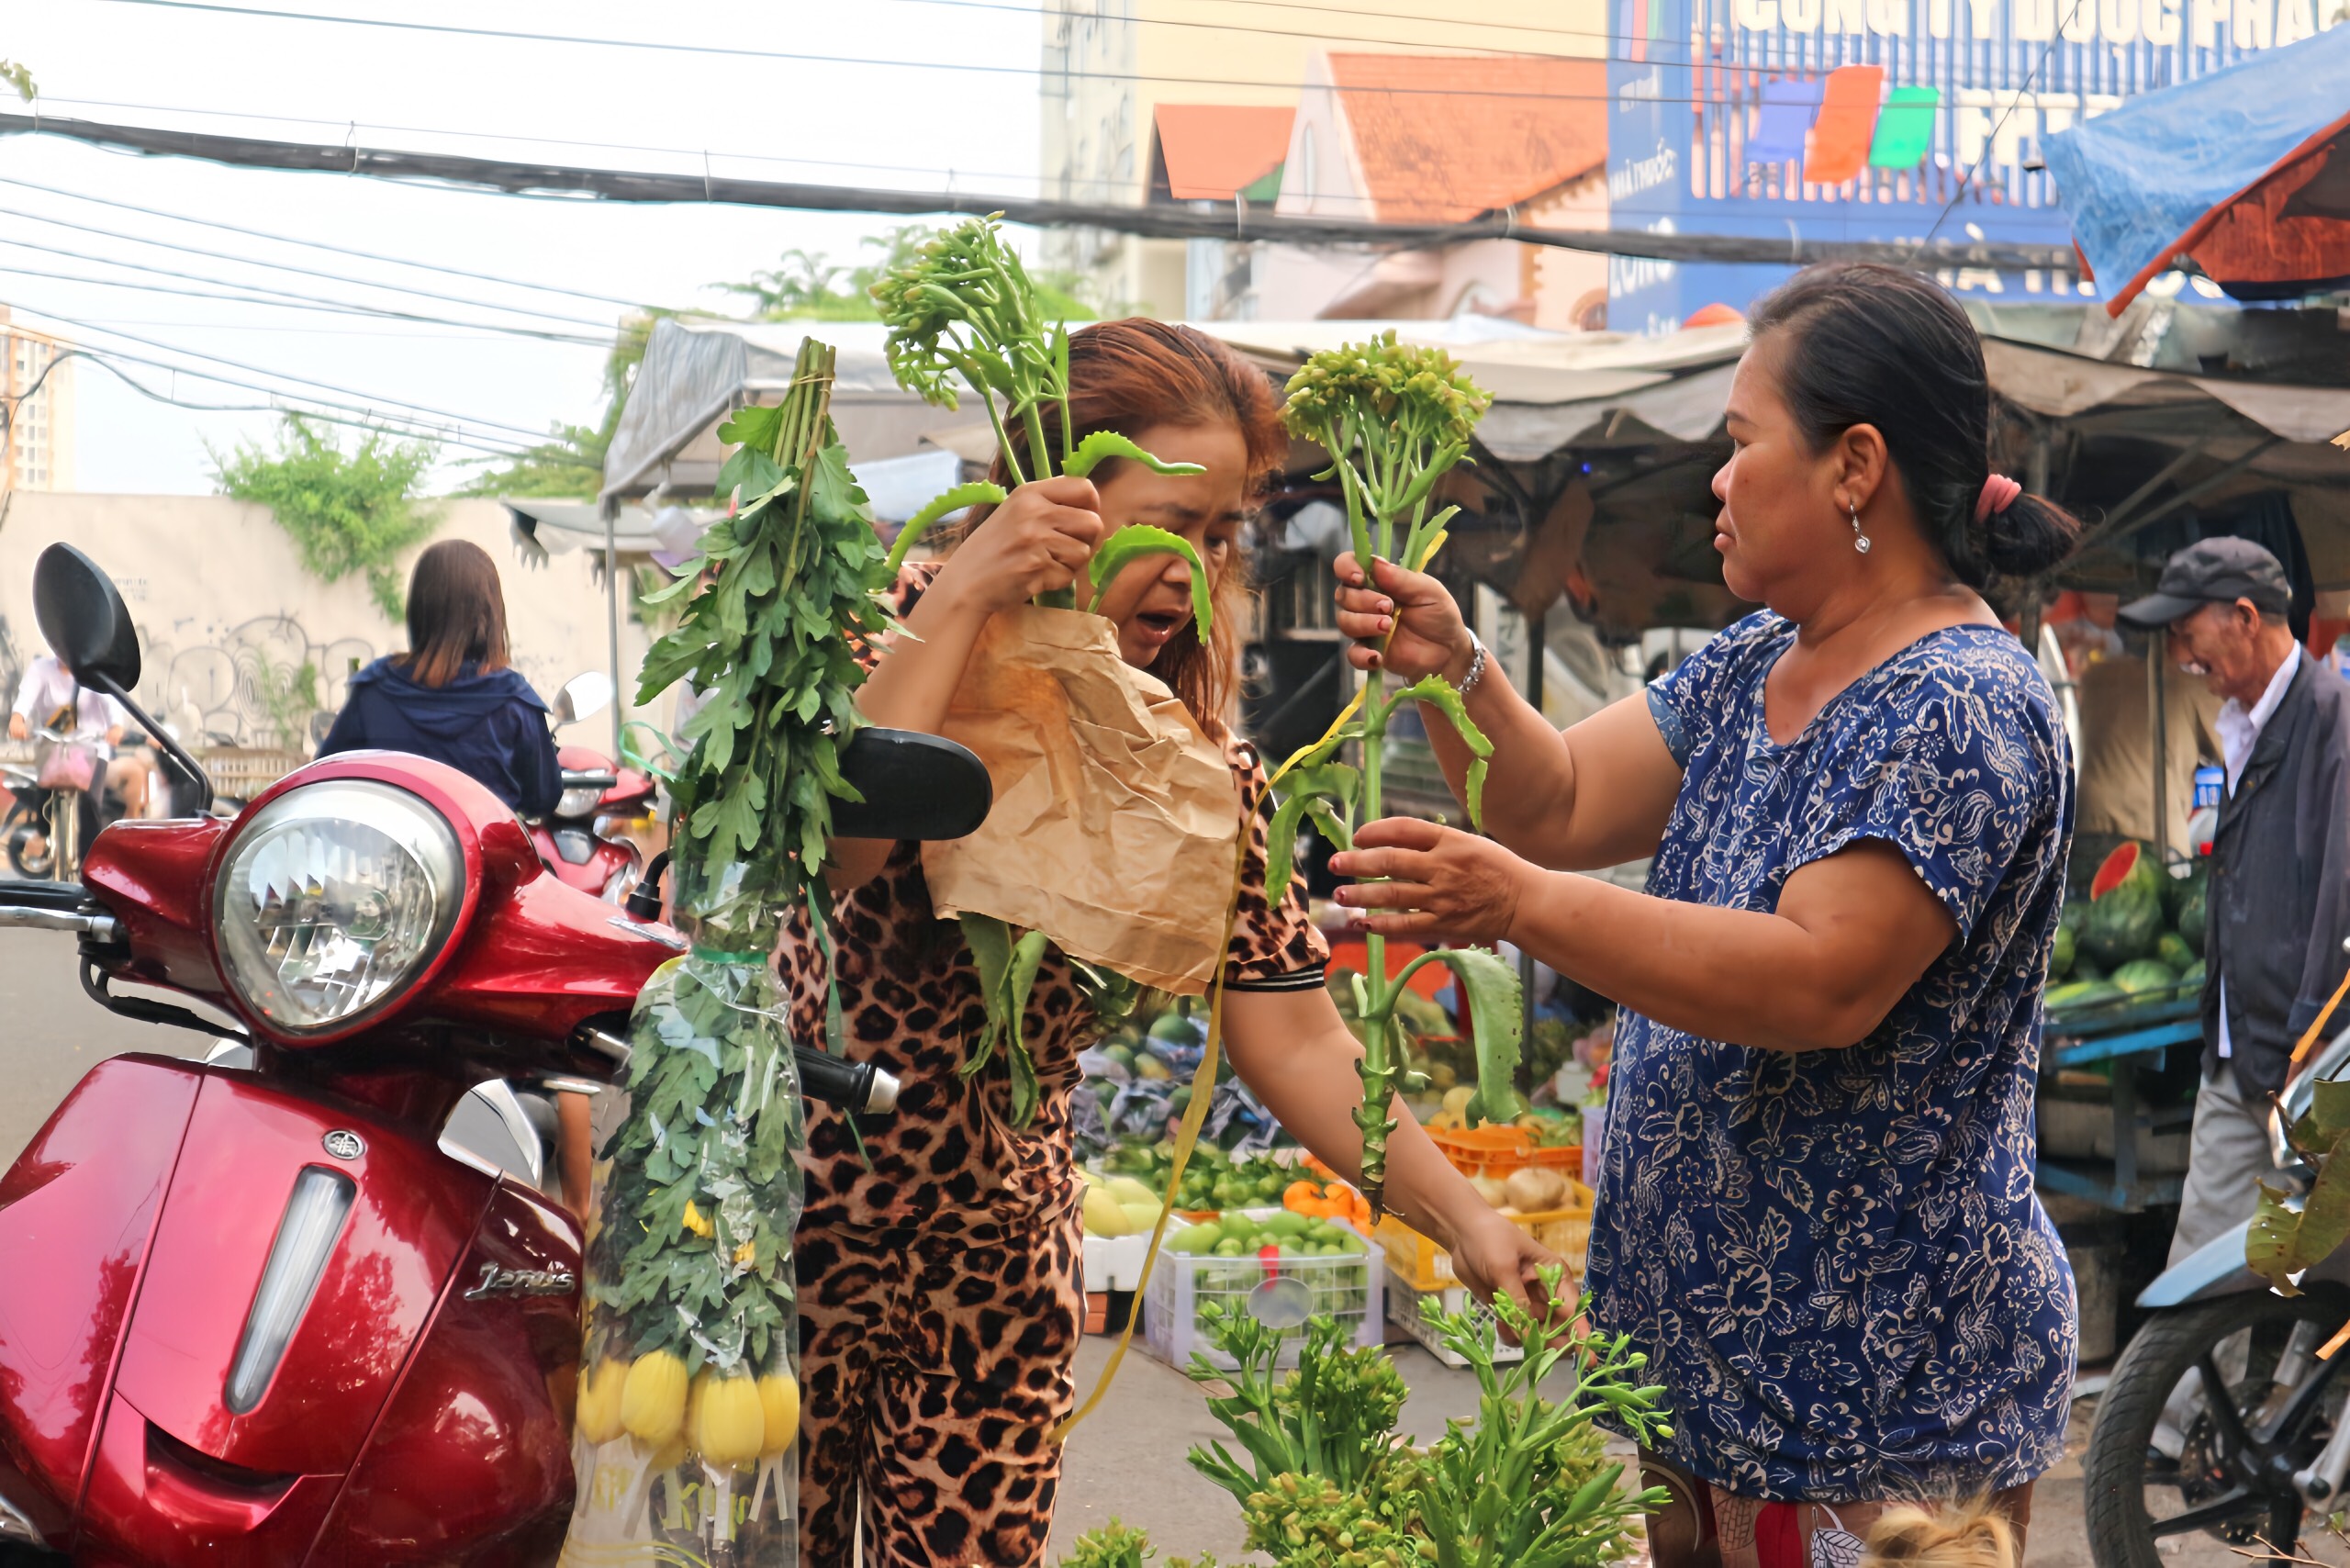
(1949, 767)
(1686, 700)
(1275, 946)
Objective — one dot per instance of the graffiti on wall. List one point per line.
(253, 685)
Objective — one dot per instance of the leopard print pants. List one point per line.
(934, 1369)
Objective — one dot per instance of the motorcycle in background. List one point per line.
(266, 1315)
(2221, 1417)
(574, 839)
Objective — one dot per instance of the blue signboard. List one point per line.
(1880, 120)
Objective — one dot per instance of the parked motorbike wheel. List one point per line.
(2233, 1479)
(28, 836)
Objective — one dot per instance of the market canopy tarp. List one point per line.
(697, 370)
(2246, 170)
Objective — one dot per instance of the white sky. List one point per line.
(105, 61)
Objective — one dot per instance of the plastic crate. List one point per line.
(1419, 1264)
(1114, 1262)
(1348, 1287)
(1407, 1310)
(1499, 1151)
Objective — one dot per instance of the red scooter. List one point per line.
(258, 1316)
(595, 789)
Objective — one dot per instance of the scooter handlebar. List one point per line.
(856, 1086)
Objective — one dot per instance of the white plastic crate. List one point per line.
(1347, 1287)
(1114, 1262)
(1405, 1310)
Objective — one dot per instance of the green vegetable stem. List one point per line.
(1394, 419)
(963, 309)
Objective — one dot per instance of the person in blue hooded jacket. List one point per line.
(453, 697)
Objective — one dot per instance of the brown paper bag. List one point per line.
(1114, 816)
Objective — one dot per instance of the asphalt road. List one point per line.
(1124, 1461)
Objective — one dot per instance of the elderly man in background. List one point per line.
(2280, 900)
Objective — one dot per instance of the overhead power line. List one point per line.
(437, 267)
(292, 302)
(343, 278)
(1169, 222)
(664, 46)
(263, 294)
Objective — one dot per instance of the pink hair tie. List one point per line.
(1999, 492)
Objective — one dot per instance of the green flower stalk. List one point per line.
(1394, 419)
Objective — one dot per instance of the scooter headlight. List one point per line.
(578, 800)
(333, 899)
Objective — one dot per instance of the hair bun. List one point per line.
(1974, 1534)
(2027, 536)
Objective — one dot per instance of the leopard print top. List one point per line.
(946, 1160)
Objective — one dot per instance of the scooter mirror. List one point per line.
(584, 696)
(82, 617)
(915, 786)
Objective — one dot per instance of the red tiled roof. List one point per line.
(1214, 150)
(1443, 138)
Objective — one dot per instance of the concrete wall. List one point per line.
(226, 612)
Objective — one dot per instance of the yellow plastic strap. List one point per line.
(2317, 1024)
(1187, 1132)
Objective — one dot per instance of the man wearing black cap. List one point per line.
(2279, 899)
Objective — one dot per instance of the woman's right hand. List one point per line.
(1429, 636)
(1037, 542)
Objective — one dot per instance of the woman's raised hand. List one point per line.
(1429, 638)
(1037, 542)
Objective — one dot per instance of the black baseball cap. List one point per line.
(2213, 571)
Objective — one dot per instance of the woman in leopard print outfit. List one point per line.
(941, 1295)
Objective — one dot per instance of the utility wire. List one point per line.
(1967, 180)
(291, 302)
(310, 244)
(104, 360)
(1356, 13)
(1169, 220)
(275, 266)
(369, 401)
(658, 46)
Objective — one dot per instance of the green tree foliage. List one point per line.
(809, 285)
(348, 511)
(20, 77)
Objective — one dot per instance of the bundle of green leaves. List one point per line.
(1527, 1484)
(1394, 419)
(693, 1257)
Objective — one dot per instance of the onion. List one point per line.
(1536, 1189)
(1494, 1192)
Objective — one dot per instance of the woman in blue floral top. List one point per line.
(1816, 1213)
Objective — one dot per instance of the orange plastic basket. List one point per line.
(1497, 1151)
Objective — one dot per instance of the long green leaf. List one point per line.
(1130, 544)
(2269, 1245)
(1497, 1025)
(1437, 693)
(1305, 793)
(978, 493)
(1103, 445)
(989, 940)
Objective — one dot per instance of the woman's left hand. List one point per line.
(1493, 1257)
(1438, 879)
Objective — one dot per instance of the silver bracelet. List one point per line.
(1476, 665)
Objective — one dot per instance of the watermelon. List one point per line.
(2130, 866)
(2123, 924)
(2061, 954)
(2144, 975)
(2085, 969)
(2192, 975)
(2076, 911)
(2177, 890)
(2083, 994)
(2173, 950)
(2193, 912)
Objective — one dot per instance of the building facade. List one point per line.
(1108, 65)
(37, 405)
(1883, 119)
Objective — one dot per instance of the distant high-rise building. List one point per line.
(1193, 101)
(37, 404)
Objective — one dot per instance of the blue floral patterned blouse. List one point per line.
(1834, 1259)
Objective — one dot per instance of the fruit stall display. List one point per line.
(1211, 1268)
(2137, 938)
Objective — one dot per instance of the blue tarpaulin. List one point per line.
(2154, 179)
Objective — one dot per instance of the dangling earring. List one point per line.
(1860, 540)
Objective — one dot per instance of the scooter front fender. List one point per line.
(2215, 1268)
